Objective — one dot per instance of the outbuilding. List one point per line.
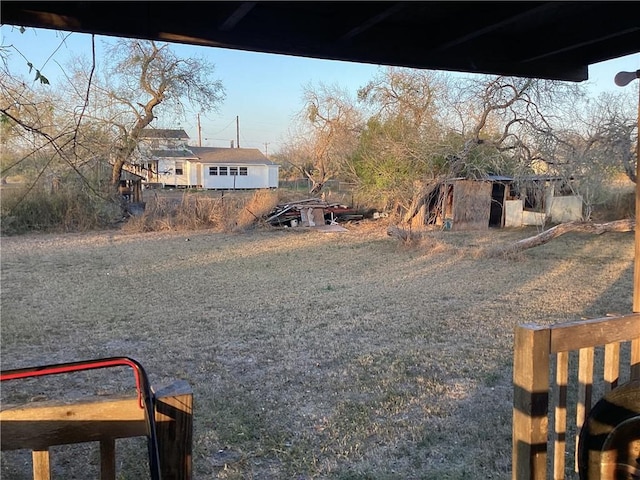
(501, 201)
(232, 168)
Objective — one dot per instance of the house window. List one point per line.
(243, 171)
(233, 170)
(223, 170)
(179, 170)
(213, 170)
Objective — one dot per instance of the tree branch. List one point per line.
(625, 225)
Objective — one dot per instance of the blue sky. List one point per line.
(263, 91)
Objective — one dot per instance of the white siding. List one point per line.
(167, 175)
(273, 176)
(257, 177)
(192, 171)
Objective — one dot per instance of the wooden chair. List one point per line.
(164, 417)
(545, 443)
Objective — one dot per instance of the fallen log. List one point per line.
(626, 225)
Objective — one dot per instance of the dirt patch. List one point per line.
(311, 355)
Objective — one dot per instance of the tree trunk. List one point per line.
(421, 199)
(116, 171)
(316, 188)
(625, 225)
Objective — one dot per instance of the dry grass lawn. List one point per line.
(311, 355)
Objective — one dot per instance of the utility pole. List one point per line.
(199, 132)
(238, 131)
(266, 152)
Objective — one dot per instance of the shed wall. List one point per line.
(565, 209)
(471, 205)
(513, 213)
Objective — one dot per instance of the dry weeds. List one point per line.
(311, 355)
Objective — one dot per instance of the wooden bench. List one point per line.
(165, 417)
(38, 426)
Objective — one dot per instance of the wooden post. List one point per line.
(174, 428)
(530, 402)
(108, 459)
(636, 262)
(41, 465)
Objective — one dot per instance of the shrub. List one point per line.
(35, 208)
(253, 211)
(200, 210)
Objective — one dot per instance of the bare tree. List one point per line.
(103, 116)
(612, 129)
(495, 131)
(60, 136)
(501, 119)
(414, 95)
(400, 148)
(143, 79)
(329, 125)
(592, 145)
(34, 135)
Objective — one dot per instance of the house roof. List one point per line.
(251, 156)
(172, 153)
(163, 133)
(557, 40)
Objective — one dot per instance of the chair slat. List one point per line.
(611, 366)
(559, 448)
(585, 388)
(635, 358)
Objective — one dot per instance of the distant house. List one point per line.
(165, 159)
(233, 168)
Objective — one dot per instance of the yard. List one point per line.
(311, 355)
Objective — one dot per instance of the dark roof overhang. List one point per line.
(556, 40)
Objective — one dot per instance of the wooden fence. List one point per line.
(39, 426)
(545, 390)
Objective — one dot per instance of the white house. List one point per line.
(165, 158)
(232, 168)
(161, 156)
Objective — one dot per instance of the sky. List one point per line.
(263, 91)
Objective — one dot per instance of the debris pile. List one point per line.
(311, 212)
